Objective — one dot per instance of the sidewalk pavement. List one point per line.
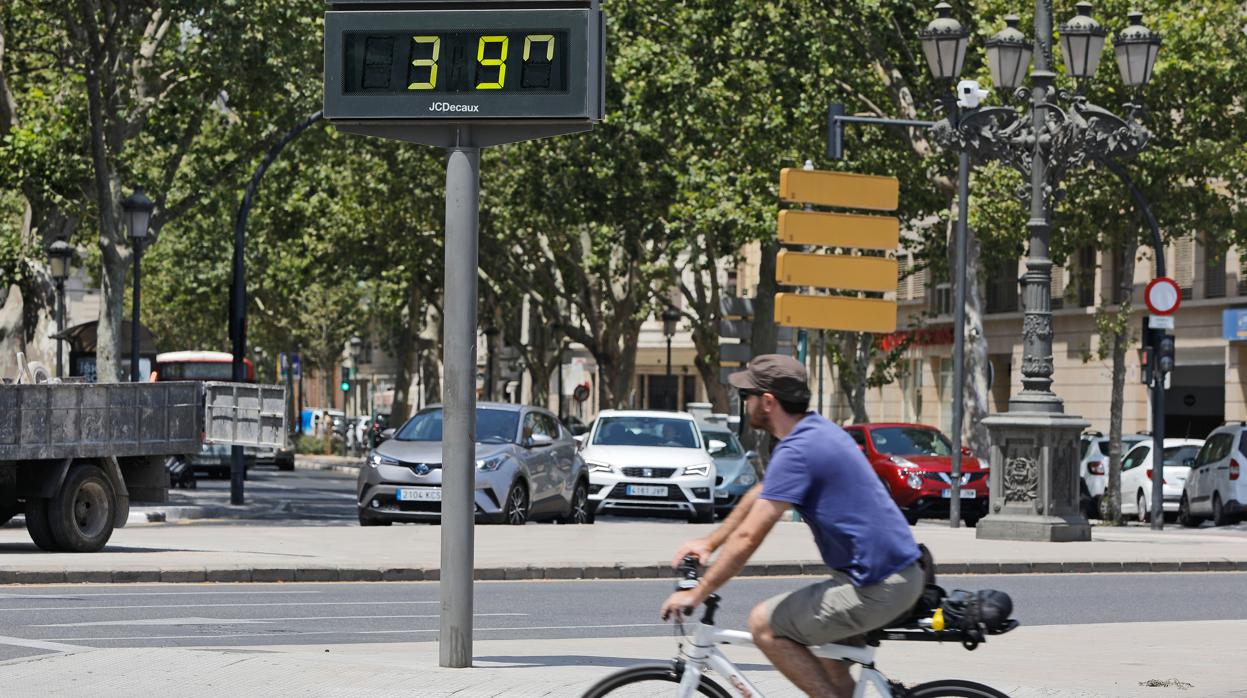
(610, 549)
(1123, 660)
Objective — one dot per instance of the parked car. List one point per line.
(575, 425)
(1093, 469)
(527, 468)
(644, 461)
(915, 463)
(734, 469)
(1136, 476)
(1215, 488)
(217, 460)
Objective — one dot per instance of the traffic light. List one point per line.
(346, 379)
(1164, 354)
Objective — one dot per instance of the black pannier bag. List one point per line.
(966, 610)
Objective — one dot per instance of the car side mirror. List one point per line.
(385, 435)
(965, 451)
(540, 441)
(716, 446)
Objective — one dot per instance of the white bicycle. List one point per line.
(689, 667)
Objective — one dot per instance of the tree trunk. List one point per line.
(404, 339)
(1121, 342)
(764, 336)
(975, 405)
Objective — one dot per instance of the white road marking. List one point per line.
(146, 593)
(217, 605)
(357, 632)
(40, 644)
(199, 620)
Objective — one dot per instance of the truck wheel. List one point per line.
(37, 524)
(81, 514)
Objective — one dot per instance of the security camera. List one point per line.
(970, 95)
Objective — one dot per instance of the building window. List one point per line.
(1184, 265)
(1002, 288)
(1214, 269)
(946, 393)
(1084, 286)
(942, 299)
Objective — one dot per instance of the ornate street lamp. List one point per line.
(944, 43)
(59, 255)
(670, 317)
(1008, 56)
(138, 216)
(1136, 47)
(1034, 457)
(1082, 43)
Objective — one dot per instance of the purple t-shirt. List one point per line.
(820, 471)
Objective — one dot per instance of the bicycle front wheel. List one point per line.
(650, 681)
(954, 688)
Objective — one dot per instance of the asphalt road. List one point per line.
(34, 620)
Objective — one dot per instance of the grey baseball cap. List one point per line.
(782, 376)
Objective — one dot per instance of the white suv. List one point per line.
(649, 462)
(1216, 487)
(1093, 469)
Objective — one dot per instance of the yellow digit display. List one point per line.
(531, 39)
(500, 61)
(430, 62)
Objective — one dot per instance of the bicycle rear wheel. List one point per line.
(954, 688)
(650, 681)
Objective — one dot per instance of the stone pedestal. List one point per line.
(1034, 478)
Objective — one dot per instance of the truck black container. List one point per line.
(73, 455)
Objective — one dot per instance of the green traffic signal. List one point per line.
(346, 387)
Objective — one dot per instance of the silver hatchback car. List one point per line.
(527, 468)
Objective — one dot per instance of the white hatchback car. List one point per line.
(642, 461)
(1216, 489)
(1136, 476)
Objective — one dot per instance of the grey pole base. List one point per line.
(1034, 478)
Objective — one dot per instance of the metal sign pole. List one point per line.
(959, 338)
(459, 400)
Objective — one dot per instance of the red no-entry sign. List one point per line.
(1162, 296)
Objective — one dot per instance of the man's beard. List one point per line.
(759, 421)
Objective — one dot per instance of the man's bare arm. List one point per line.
(742, 542)
(704, 547)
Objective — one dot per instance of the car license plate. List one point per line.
(965, 494)
(646, 491)
(423, 494)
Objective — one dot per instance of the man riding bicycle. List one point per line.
(872, 557)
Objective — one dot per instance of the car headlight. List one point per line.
(747, 478)
(595, 467)
(699, 470)
(491, 464)
(903, 462)
(914, 480)
(378, 460)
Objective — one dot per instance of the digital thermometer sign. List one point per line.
(464, 64)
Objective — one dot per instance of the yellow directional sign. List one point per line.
(835, 313)
(835, 271)
(841, 189)
(839, 230)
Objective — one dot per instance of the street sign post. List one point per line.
(462, 75)
(844, 272)
(1162, 296)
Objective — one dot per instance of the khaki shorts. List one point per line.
(835, 610)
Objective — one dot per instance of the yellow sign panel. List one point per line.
(842, 189)
(835, 313)
(835, 271)
(839, 230)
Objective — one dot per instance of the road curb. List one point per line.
(192, 575)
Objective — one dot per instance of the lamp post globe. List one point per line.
(944, 43)
(1008, 55)
(1082, 42)
(137, 209)
(1136, 47)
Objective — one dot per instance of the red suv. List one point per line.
(914, 462)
